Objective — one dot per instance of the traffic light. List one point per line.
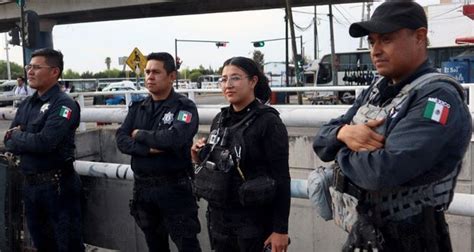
(219, 44)
(31, 28)
(20, 3)
(15, 36)
(259, 44)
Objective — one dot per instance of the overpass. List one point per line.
(76, 11)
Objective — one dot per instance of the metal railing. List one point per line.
(462, 204)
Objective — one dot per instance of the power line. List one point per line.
(304, 28)
(349, 22)
(449, 11)
(347, 12)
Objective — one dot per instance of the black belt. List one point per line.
(343, 184)
(160, 180)
(50, 176)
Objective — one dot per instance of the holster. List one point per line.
(258, 191)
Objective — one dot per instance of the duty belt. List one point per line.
(50, 176)
(343, 184)
(159, 180)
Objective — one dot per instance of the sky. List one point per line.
(85, 46)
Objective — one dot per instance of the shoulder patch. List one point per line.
(65, 112)
(437, 110)
(185, 116)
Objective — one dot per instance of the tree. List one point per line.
(15, 69)
(87, 75)
(69, 74)
(194, 75)
(258, 57)
(107, 62)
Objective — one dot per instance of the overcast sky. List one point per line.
(85, 46)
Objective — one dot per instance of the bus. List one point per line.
(208, 81)
(356, 69)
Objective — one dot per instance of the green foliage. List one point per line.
(194, 75)
(113, 73)
(15, 69)
(69, 74)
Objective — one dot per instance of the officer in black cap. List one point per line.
(42, 134)
(158, 133)
(399, 148)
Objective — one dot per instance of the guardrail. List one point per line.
(462, 204)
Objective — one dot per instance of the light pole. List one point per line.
(219, 43)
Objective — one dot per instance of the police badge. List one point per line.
(44, 107)
(168, 118)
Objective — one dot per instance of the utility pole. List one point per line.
(295, 52)
(316, 46)
(362, 18)
(333, 52)
(9, 73)
(287, 56)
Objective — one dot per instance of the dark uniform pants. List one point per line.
(427, 231)
(53, 214)
(236, 231)
(168, 208)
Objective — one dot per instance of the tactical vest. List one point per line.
(223, 154)
(402, 202)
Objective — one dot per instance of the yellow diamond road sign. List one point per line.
(136, 61)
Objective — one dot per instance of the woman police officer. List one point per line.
(243, 167)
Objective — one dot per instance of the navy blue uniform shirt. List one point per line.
(417, 149)
(48, 126)
(168, 126)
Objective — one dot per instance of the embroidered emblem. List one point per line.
(437, 110)
(65, 112)
(168, 118)
(185, 116)
(44, 107)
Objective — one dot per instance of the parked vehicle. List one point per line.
(7, 90)
(120, 84)
(208, 81)
(356, 69)
(120, 98)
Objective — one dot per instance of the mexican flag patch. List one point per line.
(65, 112)
(437, 110)
(184, 116)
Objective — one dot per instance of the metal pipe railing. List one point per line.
(462, 204)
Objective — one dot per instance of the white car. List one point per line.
(7, 90)
(121, 84)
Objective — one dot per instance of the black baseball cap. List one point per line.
(390, 17)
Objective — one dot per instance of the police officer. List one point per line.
(400, 147)
(243, 169)
(158, 133)
(42, 134)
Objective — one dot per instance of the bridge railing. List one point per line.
(462, 204)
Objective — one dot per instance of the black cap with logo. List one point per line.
(390, 17)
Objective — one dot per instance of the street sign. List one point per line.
(136, 61)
